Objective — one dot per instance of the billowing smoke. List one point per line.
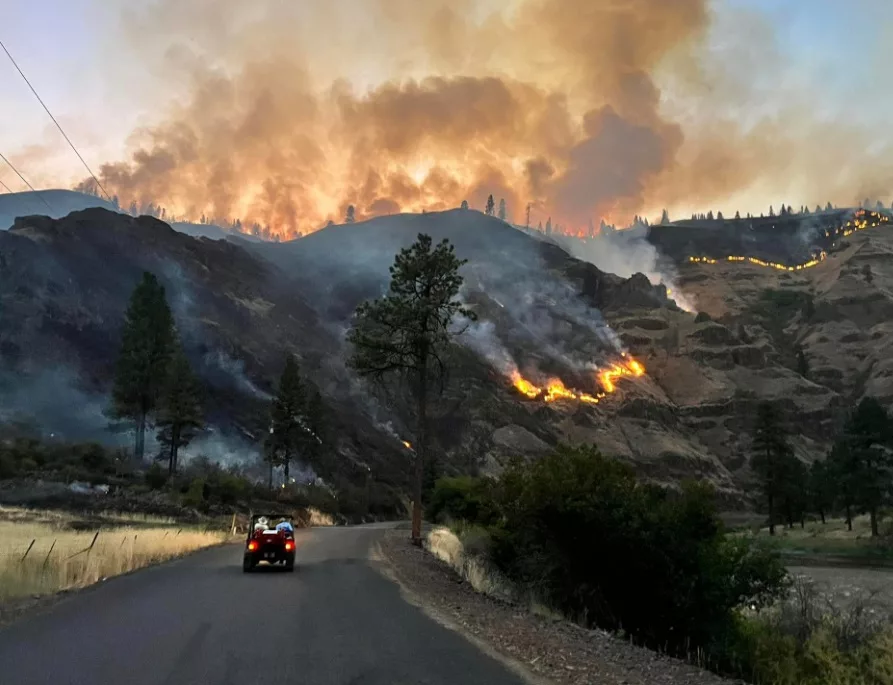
(286, 113)
(234, 370)
(625, 253)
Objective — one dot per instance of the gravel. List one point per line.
(550, 648)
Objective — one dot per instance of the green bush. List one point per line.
(580, 532)
(195, 495)
(463, 498)
(156, 478)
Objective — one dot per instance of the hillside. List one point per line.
(543, 316)
(59, 203)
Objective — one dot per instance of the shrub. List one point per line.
(195, 495)
(155, 476)
(463, 498)
(578, 530)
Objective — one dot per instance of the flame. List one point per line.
(556, 390)
(862, 220)
(525, 387)
(407, 445)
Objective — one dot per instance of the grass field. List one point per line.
(41, 554)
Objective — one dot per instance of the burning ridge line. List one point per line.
(859, 223)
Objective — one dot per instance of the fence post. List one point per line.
(29, 549)
(47, 560)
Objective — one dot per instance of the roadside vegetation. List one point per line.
(576, 534)
(40, 553)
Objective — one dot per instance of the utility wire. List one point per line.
(5, 186)
(47, 109)
(24, 180)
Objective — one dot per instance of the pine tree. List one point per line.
(179, 412)
(527, 222)
(770, 458)
(351, 215)
(771, 211)
(737, 215)
(866, 273)
(407, 332)
(867, 437)
(664, 218)
(464, 204)
(539, 227)
(146, 348)
(820, 487)
(802, 363)
(818, 209)
(133, 210)
(490, 205)
(829, 207)
(289, 433)
(719, 216)
(549, 226)
(710, 215)
(502, 211)
(116, 203)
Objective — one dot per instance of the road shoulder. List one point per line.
(553, 650)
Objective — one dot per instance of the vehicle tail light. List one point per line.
(289, 545)
(252, 546)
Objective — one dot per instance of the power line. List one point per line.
(24, 180)
(5, 186)
(47, 109)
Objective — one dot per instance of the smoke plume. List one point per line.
(286, 113)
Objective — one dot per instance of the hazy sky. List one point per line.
(101, 85)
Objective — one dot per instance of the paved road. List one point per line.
(201, 621)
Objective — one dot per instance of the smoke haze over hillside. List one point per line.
(585, 109)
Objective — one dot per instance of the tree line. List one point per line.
(856, 477)
(154, 384)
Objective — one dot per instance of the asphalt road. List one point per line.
(200, 620)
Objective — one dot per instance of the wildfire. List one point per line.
(406, 444)
(556, 390)
(860, 222)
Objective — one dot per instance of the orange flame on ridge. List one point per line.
(556, 389)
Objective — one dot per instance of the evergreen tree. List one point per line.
(490, 205)
(351, 215)
(179, 412)
(527, 222)
(710, 215)
(133, 210)
(502, 212)
(549, 226)
(290, 434)
(829, 207)
(844, 470)
(867, 436)
(802, 363)
(540, 227)
(821, 487)
(771, 211)
(866, 273)
(770, 459)
(818, 209)
(116, 203)
(664, 218)
(719, 216)
(737, 215)
(407, 332)
(464, 204)
(146, 348)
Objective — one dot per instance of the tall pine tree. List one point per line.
(868, 436)
(771, 453)
(407, 332)
(290, 435)
(146, 348)
(490, 206)
(179, 412)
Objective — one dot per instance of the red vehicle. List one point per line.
(271, 540)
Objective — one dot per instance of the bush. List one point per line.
(155, 476)
(195, 495)
(579, 531)
(808, 640)
(463, 498)
(703, 317)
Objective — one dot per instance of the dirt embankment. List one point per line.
(550, 648)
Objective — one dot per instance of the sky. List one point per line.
(110, 68)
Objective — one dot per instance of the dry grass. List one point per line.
(444, 544)
(61, 559)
